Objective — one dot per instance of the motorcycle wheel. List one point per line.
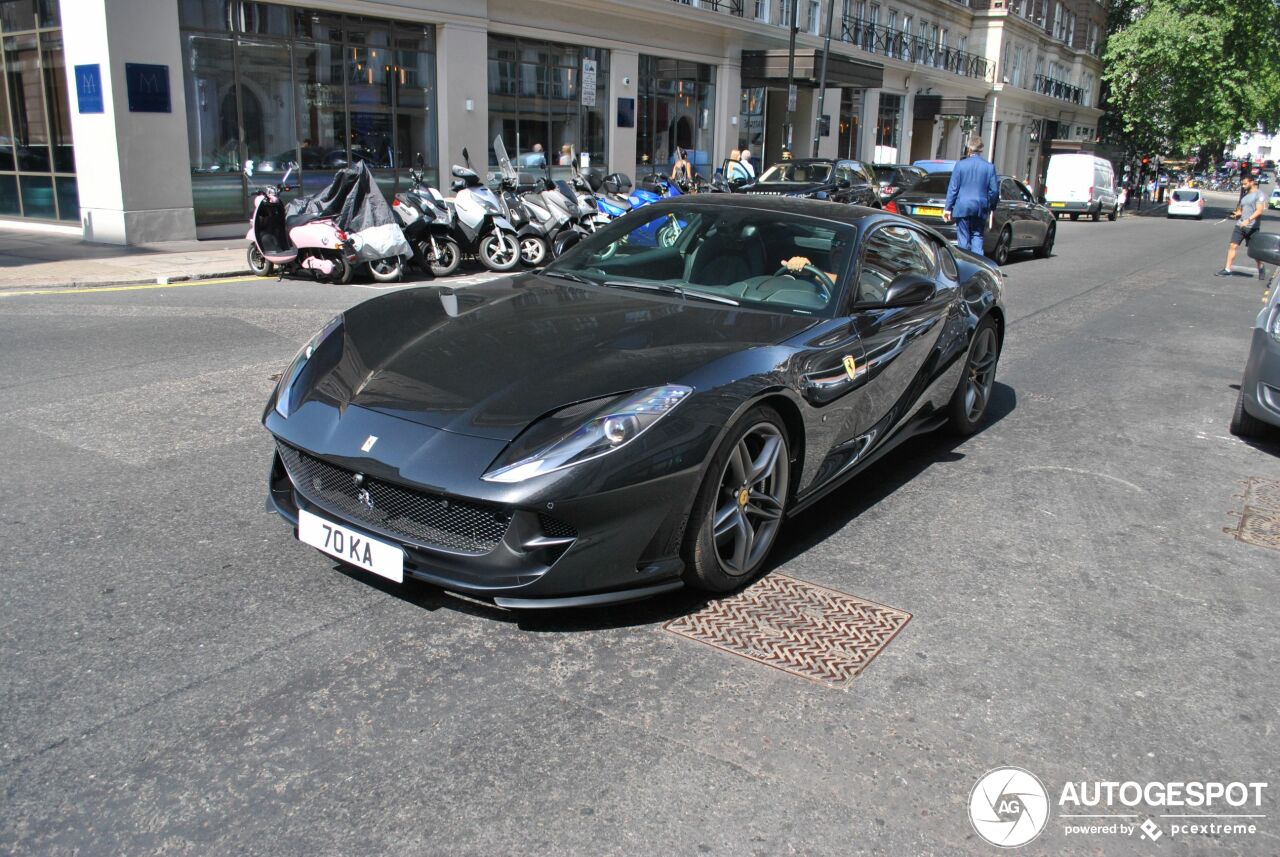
(499, 251)
(258, 263)
(667, 235)
(447, 261)
(342, 271)
(387, 270)
(533, 250)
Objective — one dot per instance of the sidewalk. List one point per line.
(42, 260)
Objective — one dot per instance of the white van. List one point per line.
(1081, 183)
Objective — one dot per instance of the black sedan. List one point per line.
(819, 178)
(633, 418)
(1020, 223)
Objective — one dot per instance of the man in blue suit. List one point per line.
(972, 193)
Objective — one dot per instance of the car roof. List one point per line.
(840, 212)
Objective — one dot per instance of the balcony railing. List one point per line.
(1057, 89)
(733, 7)
(889, 42)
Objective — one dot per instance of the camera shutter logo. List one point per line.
(1009, 807)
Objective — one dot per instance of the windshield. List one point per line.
(762, 260)
(1186, 195)
(797, 172)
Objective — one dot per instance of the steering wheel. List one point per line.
(821, 280)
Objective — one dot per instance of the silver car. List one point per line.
(1258, 405)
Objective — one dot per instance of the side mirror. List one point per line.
(844, 184)
(909, 290)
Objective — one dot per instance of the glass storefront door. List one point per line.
(675, 109)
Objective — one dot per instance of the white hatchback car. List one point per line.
(1274, 201)
(1186, 202)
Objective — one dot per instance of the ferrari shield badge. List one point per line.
(370, 441)
(851, 366)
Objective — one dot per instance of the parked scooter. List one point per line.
(427, 222)
(319, 247)
(480, 225)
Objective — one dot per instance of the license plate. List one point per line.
(928, 211)
(1057, 205)
(351, 547)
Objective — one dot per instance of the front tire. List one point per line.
(1000, 255)
(973, 394)
(739, 510)
(258, 263)
(387, 270)
(446, 261)
(533, 251)
(1113, 214)
(499, 251)
(1243, 423)
(342, 271)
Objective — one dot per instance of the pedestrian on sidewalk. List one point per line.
(1249, 213)
(971, 195)
(735, 171)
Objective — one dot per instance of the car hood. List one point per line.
(488, 360)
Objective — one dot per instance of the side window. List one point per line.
(886, 254)
(1009, 191)
(845, 174)
(867, 176)
(1026, 192)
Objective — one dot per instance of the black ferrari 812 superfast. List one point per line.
(642, 414)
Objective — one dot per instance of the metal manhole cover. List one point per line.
(798, 627)
(1260, 517)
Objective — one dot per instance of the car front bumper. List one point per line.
(1261, 382)
(569, 544)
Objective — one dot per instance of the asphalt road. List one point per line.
(179, 676)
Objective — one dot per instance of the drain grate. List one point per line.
(798, 627)
(1260, 517)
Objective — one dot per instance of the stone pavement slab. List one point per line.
(38, 260)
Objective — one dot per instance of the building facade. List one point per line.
(135, 118)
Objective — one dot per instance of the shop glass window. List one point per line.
(675, 109)
(317, 89)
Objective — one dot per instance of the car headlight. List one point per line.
(284, 390)
(614, 425)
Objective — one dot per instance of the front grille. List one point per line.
(414, 516)
(555, 528)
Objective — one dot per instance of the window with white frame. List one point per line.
(906, 41)
(815, 16)
(1057, 20)
(963, 44)
(762, 10)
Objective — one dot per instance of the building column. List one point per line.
(728, 135)
(462, 95)
(133, 169)
(908, 123)
(870, 121)
(624, 82)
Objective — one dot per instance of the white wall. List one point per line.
(133, 170)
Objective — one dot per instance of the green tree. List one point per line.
(1182, 73)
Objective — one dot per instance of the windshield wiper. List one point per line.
(565, 275)
(668, 289)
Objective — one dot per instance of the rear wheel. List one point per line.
(258, 263)
(1243, 423)
(1045, 250)
(1097, 214)
(969, 402)
(499, 251)
(739, 510)
(387, 270)
(1075, 215)
(446, 261)
(342, 271)
(1113, 214)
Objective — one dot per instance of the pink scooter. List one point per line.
(319, 246)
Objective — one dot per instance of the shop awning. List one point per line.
(769, 68)
(929, 106)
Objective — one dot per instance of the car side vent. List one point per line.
(555, 528)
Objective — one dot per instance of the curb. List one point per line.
(104, 284)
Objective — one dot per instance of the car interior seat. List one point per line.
(729, 254)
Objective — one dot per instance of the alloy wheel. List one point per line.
(751, 499)
(981, 373)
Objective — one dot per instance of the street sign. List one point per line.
(791, 97)
(588, 83)
(89, 88)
